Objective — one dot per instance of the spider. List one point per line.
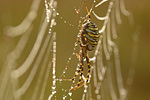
(89, 39)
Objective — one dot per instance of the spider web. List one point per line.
(29, 71)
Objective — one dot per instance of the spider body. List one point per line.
(90, 32)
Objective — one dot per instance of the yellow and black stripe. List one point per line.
(91, 34)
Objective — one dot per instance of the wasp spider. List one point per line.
(89, 40)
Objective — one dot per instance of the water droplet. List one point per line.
(53, 71)
(85, 91)
(53, 93)
(86, 87)
(65, 22)
(48, 10)
(98, 96)
(64, 97)
(78, 35)
(54, 77)
(74, 53)
(71, 87)
(70, 94)
(89, 76)
(96, 91)
(51, 6)
(53, 87)
(76, 43)
(48, 20)
(60, 80)
(70, 58)
(77, 68)
(50, 30)
(64, 71)
(54, 82)
(57, 14)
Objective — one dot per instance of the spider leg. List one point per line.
(89, 67)
(79, 42)
(87, 78)
(81, 67)
(78, 56)
(79, 82)
(81, 62)
(87, 11)
(77, 87)
(83, 35)
(80, 26)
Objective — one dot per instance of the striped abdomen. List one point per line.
(90, 31)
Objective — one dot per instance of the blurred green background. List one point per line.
(12, 12)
